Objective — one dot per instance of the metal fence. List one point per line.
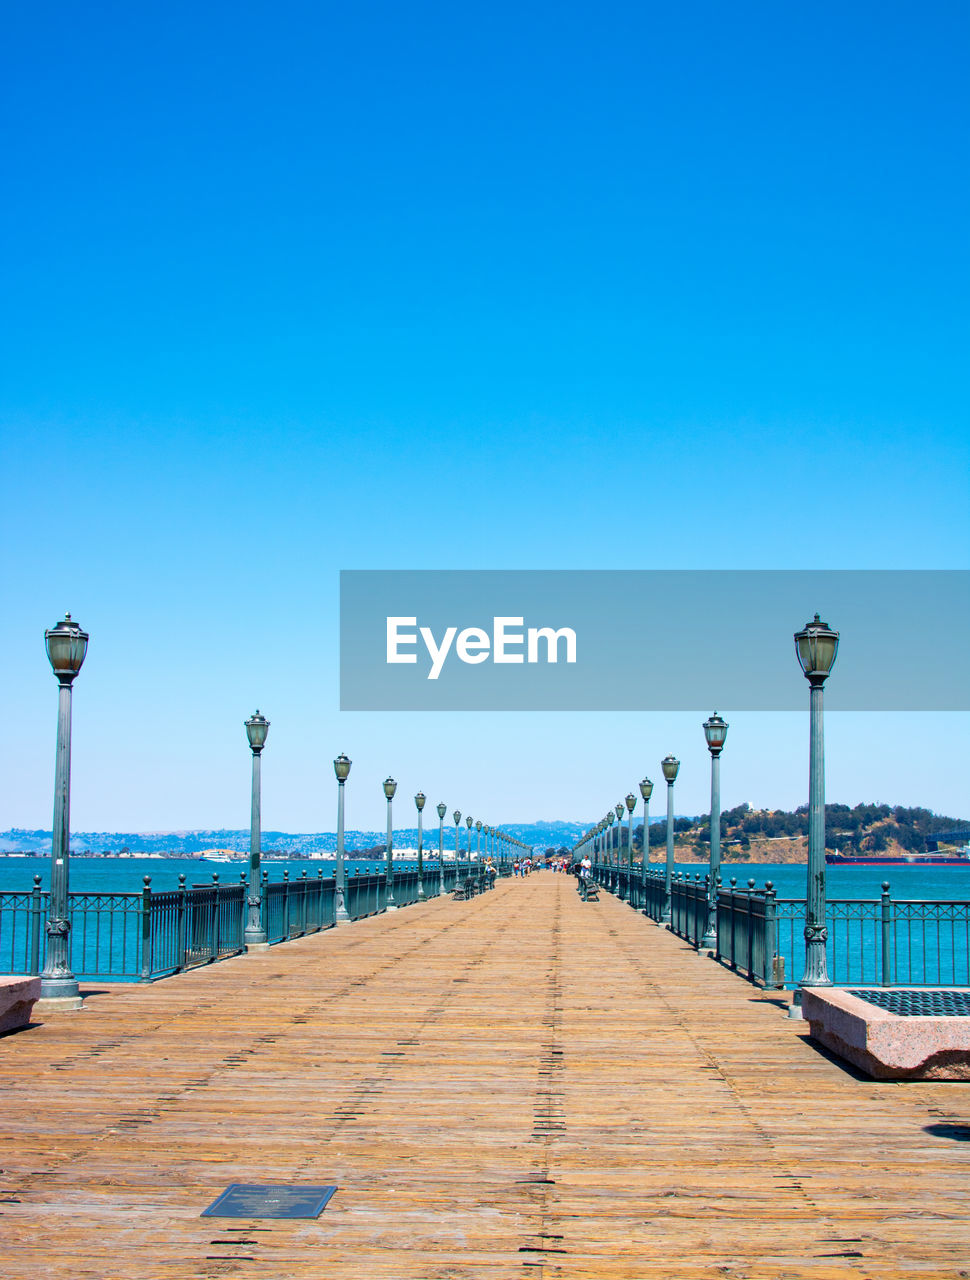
(148, 935)
(292, 908)
(881, 941)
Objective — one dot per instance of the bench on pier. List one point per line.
(17, 998)
(589, 890)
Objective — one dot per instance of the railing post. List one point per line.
(263, 907)
(733, 934)
(771, 935)
(243, 915)
(214, 919)
(887, 967)
(303, 889)
(35, 913)
(181, 924)
(286, 903)
(146, 929)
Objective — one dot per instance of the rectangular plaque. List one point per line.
(242, 1200)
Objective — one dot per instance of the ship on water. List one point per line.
(936, 858)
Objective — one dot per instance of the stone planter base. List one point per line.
(17, 999)
(888, 1046)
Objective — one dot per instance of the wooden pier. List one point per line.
(522, 1085)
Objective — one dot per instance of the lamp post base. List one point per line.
(60, 988)
(57, 1004)
(254, 947)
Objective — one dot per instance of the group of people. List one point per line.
(523, 866)
(583, 869)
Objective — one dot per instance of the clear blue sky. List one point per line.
(290, 288)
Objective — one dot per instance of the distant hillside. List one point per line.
(747, 835)
(312, 844)
(777, 835)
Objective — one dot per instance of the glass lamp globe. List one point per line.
(816, 646)
(715, 731)
(66, 646)
(257, 727)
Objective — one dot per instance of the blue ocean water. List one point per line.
(127, 875)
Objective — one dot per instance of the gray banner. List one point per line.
(650, 640)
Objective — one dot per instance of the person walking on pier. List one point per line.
(585, 871)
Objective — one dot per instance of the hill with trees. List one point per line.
(779, 835)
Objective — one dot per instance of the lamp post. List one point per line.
(618, 849)
(442, 810)
(646, 790)
(419, 801)
(457, 817)
(816, 646)
(66, 646)
(468, 865)
(257, 727)
(670, 766)
(478, 848)
(631, 804)
(715, 731)
(390, 786)
(341, 767)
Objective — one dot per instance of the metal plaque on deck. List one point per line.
(242, 1200)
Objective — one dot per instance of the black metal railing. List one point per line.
(878, 941)
(141, 936)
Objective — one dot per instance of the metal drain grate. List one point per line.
(241, 1200)
(918, 1004)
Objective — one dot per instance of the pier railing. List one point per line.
(141, 936)
(881, 941)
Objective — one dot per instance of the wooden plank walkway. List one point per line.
(518, 1086)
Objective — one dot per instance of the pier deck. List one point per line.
(518, 1086)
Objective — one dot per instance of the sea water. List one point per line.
(932, 953)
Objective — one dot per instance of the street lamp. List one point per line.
(257, 727)
(457, 817)
(646, 790)
(341, 767)
(618, 849)
(631, 804)
(478, 847)
(419, 800)
(442, 810)
(715, 731)
(816, 646)
(390, 786)
(66, 646)
(468, 868)
(670, 765)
